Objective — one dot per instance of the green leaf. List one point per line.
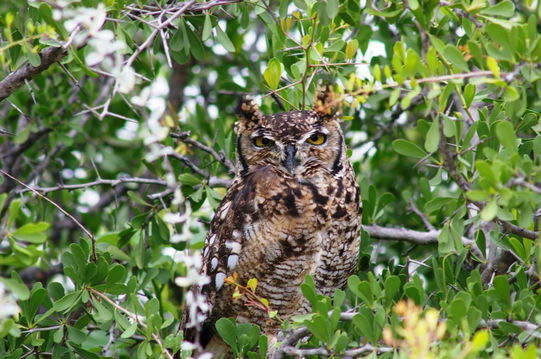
(16, 286)
(489, 212)
(504, 8)
(31, 232)
(67, 302)
(308, 289)
(433, 136)
(519, 248)
(129, 331)
(406, 101)
(395, 95)
(392, 287)
(196, 46)
(506, 134)
(407, 148)
(485, 170)
(137, 199)
(318, 326)
(455, 57)
(102, 313)
(511, 94)
(478, 195)
(469, 93)
(332, 8)
(224, 39)
(227, 329)
(362, 290)
(188, 179)
(207, 28)
(273, 73)
(33, 58)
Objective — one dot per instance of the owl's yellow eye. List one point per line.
(317, 139)
(262, 142)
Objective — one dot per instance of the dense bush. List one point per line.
(117, 143)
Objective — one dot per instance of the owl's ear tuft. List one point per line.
(324, 103)
(248, 110)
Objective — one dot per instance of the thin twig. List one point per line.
(135, 317)
(220, 157)
(44, 329)
(521, 182)
(421, 215)
(87, 232)
(97, 182)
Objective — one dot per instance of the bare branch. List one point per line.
(421, 215)
(522, 324)
(292, 338)
(523, 183)
(43, 329)
(97, 182)
(220, 157)
(416, 237)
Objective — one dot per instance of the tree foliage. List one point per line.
(117, 143)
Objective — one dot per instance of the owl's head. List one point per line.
(297, 142)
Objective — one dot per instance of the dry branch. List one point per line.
(416, 237)
(220, 157)
(97, 182)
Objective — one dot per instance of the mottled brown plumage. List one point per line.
(293, 209)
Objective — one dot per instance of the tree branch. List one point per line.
(97, 182)
(220, 157)
(86, 231)
(17, 78)
(288, 344)
(522, 324)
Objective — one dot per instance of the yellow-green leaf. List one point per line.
(489, 212)
(273, 73)
(493, 66)
(351, 48)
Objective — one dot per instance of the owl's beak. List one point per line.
(291, 161)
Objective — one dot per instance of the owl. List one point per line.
(293, 210)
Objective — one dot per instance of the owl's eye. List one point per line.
(317, 138)
(262, 142)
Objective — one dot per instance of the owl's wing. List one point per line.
(225, 238)
(222, 246)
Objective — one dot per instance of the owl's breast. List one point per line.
(297, 204)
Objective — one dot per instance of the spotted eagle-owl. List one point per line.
(293, 210)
